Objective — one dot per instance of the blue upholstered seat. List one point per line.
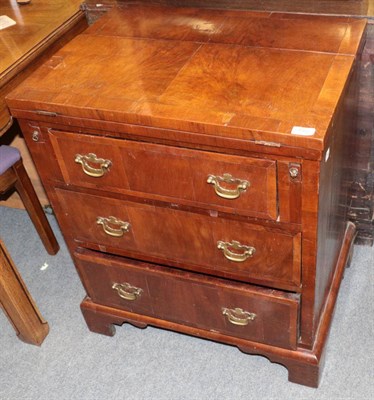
(14, 176)
(8, 157)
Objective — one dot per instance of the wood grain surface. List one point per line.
(188, 239)
(186, 93)
(194, 80)
(38, 26)
(181, 175)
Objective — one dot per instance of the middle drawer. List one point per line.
(213, 245)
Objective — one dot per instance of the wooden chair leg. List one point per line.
(34, 208)
(17, 303)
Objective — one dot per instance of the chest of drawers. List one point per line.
(196, 161)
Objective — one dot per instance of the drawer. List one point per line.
(238, 184)
(244, 311)
(189, 240)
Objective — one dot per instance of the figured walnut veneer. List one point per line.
(142, 121)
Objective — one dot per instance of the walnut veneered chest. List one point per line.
(196, 161)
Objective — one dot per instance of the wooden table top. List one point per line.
(34, 22)
(252, 75)
(37, 26)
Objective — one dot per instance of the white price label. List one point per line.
(303, 131)
(5, 22)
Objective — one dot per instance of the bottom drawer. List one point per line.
(236, 309)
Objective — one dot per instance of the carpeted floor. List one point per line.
(138, 364)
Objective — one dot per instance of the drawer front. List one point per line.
(239, 310)
(238, 184)
(192, 241)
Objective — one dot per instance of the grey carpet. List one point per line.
(151, 363)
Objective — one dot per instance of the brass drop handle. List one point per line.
(231, 194)
(126, 291)
(246, 251)
(237, 316)
(113, 226)
(91, 158)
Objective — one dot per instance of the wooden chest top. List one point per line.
(244, 75)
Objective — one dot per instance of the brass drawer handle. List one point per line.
(238, 316)
(126, 291)
(121, 227)
(247, 251)
(84, 160)
(241, 186)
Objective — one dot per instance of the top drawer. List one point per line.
(236, 184)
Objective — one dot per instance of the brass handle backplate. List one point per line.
(221, 191)
(238, 316)
(246, 251)
(91, 158)
(113, 226)
(126, 291)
